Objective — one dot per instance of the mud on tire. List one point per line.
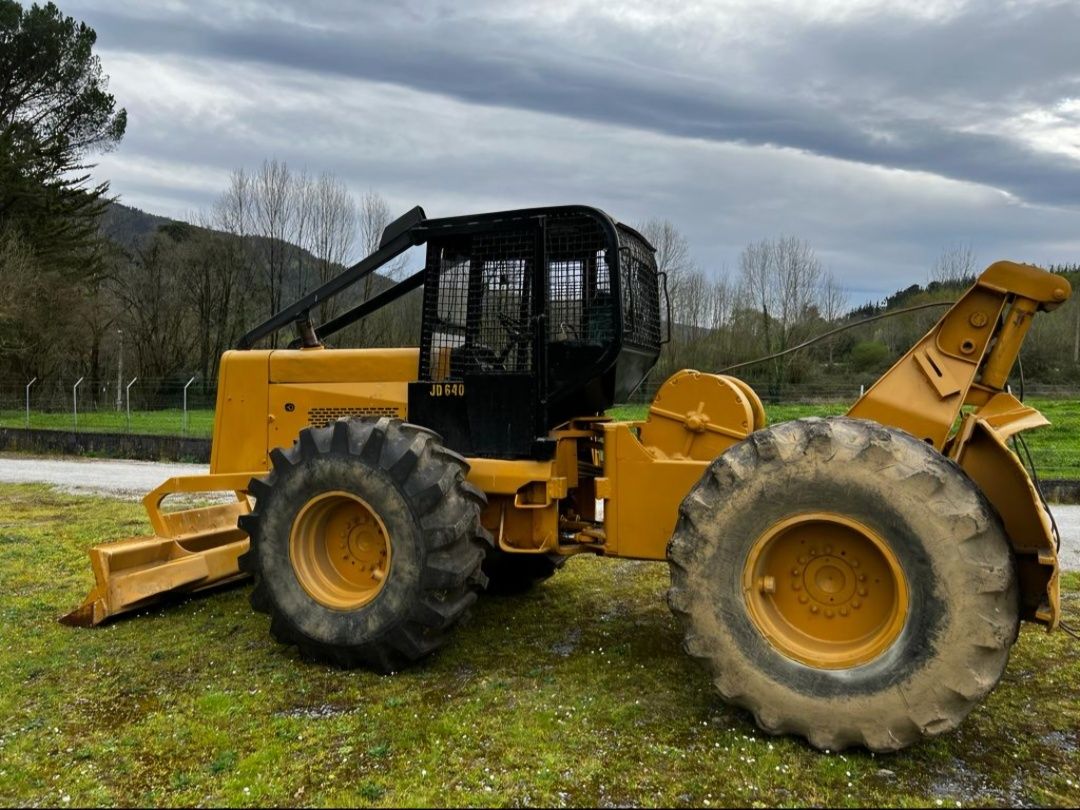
(963, 609)
(432, 517)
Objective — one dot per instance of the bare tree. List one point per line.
(674, 260)
(232, 212)
(722, 302)
(833, 300)
(672, 250)
(333, 233)
(303, 195)
(156, 303)
(373, 215)
(955, 266)
(757, 282)
(784, 280)
(236, 260)
(273, 194)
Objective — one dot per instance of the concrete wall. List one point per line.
(107, 445)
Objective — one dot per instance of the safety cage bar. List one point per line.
(635, 321)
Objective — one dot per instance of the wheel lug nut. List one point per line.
(828, 613)
(795, 586)
(796, 571)
(843, 611)
(803, 599)
(854, 563)
(813, 608)
(828, 549)
(855, 603)
(862, 591)
(862, 577)
(803, 560)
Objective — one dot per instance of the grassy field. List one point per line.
(168, 422)
(574, 694)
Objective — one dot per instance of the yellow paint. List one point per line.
(825, 590)
(340, 550)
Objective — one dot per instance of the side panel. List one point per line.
(239, 441)
(343, 365)
(641, 494)
(293, 407)
(265, 398)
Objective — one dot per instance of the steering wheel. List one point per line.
(516, 329)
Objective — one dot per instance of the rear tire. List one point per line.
(954, 594)
(313, 529)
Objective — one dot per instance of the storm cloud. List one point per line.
(879, 132)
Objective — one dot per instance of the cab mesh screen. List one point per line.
(479, 309)
(579, 285)
(640, 292)
(479, 312)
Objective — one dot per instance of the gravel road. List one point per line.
(133, 479)
(129, 480)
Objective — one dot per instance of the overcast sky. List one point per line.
(880, 132)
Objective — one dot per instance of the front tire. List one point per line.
(366, 543)
(844, 582)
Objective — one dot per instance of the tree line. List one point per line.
(780, 295)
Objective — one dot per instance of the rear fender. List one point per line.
(979, 448)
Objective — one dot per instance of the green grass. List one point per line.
(162, 423)
(1055, 449)
(574, 694)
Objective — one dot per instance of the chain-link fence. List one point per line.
(168, 406)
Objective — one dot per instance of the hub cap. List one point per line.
(825, 590)
(340, 550)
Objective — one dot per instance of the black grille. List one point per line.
(640, 292)
(479, 306)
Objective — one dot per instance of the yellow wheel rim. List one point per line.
(340, 550)
(825, 590)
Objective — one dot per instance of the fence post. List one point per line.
(75, 401)
(189, 382)
(28, 400)
(127, 401)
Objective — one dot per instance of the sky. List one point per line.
(882, 133)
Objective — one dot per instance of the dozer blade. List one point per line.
(133, 573)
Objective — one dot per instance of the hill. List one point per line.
(128, 226)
